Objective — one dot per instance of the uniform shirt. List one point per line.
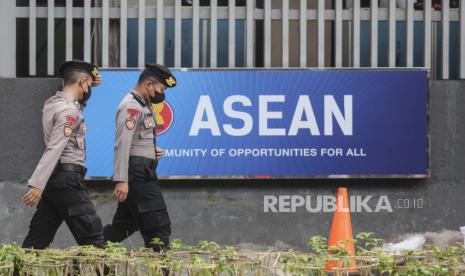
(64, 137)
(135, 128)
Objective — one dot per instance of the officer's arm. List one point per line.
(65, 122)
(127, 119)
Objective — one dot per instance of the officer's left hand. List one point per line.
(121, 191)
(160, 153)
(97, 81)
(32, 196)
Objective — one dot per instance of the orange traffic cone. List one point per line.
(341, 234)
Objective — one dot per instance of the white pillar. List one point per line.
(8, 39)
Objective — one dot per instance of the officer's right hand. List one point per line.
(159, 152)
(32, 196)
(121, 191)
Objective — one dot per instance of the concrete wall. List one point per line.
(230, 211)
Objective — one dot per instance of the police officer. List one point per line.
(57, 183)
(140, 201)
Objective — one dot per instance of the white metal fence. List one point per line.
(250, 13)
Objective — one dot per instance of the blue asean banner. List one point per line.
(276, 123)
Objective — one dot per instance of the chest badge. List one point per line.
(83, 128)
(148, 123)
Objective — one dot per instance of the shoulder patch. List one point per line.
(71, 120)
(130, 123)
(133, 112)
(67, 131)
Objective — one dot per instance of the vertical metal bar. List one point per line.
(87, 33)
(409, 33)
(321, 33)
(160, 32)
(195, 34)
(7, 38)
(105, 32)
(177, 33)
(374, 33)
(204, 49)
(285, 33)
(392, 34)
(141, 35)
(250, 33)
(213, 32)
(462, 39)
(356, 34)
(232, 33)
(445, 39)
(69, 30)
(303, 33)
(338, 34)
(267, 35)
(427, 34)
(123, 33)
(51, 37)
(32, 37)
(434, 53)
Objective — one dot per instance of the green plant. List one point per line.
(208, 258)
(366, 242)
(304, 264)
(318, 244)
(208, 246)
(12, 253)
(157, 242)
(45, 262)
(176, 244)
(415, 267)
(230, 262)
(114, 249)
(6, 269)
(386, 263)
(448, 260)
(197, 266)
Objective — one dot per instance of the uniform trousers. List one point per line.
(144, 208)
(65, 198)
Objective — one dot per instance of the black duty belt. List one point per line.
(68, 167)
(139, 160)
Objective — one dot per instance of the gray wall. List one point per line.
(231, 212)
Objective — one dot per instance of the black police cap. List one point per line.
(161, 73)
(80, 66)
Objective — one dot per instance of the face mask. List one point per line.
(86, 96)
(158, 98)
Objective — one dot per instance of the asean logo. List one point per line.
(164, 116)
